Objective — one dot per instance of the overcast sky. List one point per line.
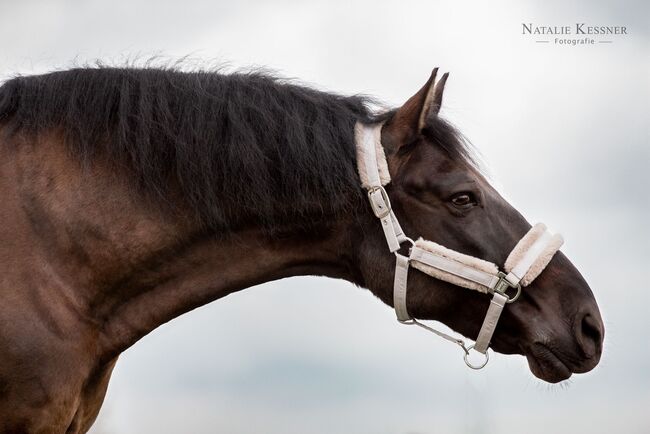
(563, 131)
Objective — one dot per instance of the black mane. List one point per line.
(239, 148)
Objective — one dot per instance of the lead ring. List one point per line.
(475, 367)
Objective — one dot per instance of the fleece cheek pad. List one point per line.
(452, 266)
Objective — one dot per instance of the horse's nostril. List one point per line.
(589, 334)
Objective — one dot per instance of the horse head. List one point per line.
(437, 193)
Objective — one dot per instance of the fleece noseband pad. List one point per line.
(532, 254)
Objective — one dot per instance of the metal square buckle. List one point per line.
(503, 285)
(380, 209)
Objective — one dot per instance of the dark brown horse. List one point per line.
(130, 197)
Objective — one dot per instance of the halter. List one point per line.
(526, 261)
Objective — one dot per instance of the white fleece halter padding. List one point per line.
(549, 244)
(369, 136)
(458, 257)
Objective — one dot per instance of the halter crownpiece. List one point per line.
(526, 261)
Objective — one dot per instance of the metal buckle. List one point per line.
(503, 285)
(377, 209)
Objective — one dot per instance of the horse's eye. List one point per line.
(465, 199)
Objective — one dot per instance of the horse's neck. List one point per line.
(208, 270)
(122, 267)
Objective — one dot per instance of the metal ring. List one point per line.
(479, 366)
(510, 300)
(409, 240)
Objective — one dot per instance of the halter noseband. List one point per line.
(526, 261)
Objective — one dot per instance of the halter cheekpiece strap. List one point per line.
(526, 261)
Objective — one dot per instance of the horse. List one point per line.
(133, 195)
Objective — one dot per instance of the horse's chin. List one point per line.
(545, 365)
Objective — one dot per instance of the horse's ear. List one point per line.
(409, 120)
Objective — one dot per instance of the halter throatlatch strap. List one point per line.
(526, 261)
(399, 287)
